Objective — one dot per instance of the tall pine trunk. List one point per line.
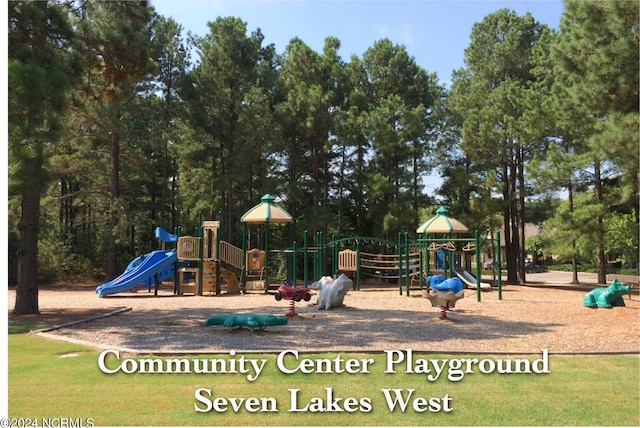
(27, 285)
(112, 250)
(574, 251)
(600, 254)
(521, 222)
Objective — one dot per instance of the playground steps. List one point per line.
(189, 280)
(255, 280)
(209, 286)
(255, 285)
(229, 282)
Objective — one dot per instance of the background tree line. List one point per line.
(120, 122)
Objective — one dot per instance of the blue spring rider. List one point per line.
(444, 293)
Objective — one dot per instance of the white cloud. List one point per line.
(406, 34)
(383, 30)
(402, 34)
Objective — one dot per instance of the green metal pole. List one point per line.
(478, 270)
(288, 256)
(421, 254)
(427, 256)
(406, 267)
(315, 258)
(293, 263)
(218, 264)
(176, 266)
(332, 260)
(357, 278)
(321, 265)
(199, 234)
(447, 262)
(244, 258)
(499, 266)
(200, 262)
(400, 262)
(266, 256)
(306, 256)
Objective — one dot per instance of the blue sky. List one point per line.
(434, 32)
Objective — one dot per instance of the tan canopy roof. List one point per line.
(441, 223)
(266, 212)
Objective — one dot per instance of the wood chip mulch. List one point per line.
(525, 320)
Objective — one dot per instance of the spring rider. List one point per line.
(293, 293)
(331, 292)
(444, 293)
(606, 297)
(256, 322)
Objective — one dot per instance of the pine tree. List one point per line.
(493, 95)
(116, 51)
(598, 50)
(42, 70)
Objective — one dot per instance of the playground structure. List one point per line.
(409, 263)
(208, 265)
(202, 263)
(146, 270)
(193, 265)
(387, 265)
(469, 280)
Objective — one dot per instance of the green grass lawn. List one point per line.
(49, 379)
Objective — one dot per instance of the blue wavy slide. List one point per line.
(142, 271)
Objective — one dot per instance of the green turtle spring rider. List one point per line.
(606, 297)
